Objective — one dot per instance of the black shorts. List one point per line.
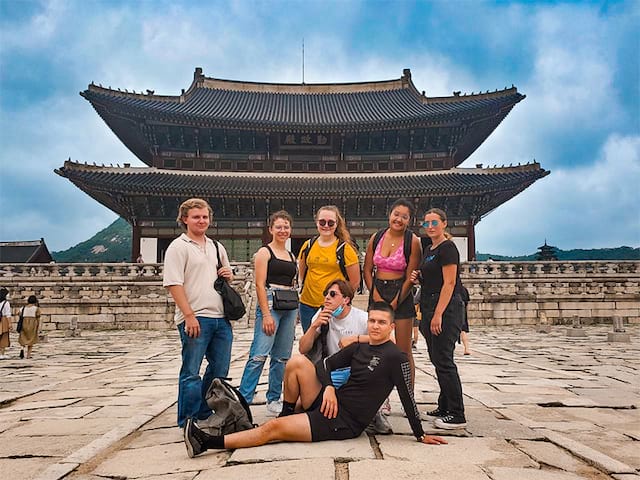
(323, 428)
(388, 290)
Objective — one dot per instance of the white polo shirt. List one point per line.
(195, 268)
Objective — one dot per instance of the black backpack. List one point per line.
(231, 412)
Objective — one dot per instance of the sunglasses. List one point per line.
(331, 293)
(432, 223)
(323, 223)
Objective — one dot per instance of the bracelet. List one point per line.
(422, 437)
(358, 338)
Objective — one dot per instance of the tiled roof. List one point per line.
(303, 106)
(156, 182)
(25, 252)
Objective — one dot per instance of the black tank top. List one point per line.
(280, 272)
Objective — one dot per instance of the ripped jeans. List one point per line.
(277, 346)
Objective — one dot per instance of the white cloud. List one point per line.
(39, 29)
(591, 206)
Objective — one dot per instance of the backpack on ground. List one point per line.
(231, 412)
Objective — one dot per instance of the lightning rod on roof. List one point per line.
(303, 60)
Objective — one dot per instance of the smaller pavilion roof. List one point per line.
(35, 251)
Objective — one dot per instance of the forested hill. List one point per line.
(113, 244)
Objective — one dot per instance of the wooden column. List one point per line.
(471, 241)
(135, 242)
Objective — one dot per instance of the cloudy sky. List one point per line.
(578, 63)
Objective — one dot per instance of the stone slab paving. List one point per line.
(539, 406)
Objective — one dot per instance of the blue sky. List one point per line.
(577, 62)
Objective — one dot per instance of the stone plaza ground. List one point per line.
(539, 406)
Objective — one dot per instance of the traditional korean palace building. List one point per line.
(253, 148)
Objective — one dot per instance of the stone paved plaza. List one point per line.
(539, 406)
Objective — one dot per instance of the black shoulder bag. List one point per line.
(284, 299)
(234, 308)
(20, 321)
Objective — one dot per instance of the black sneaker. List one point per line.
(450, 422)
(379, 425)
(194, 438)
(21, 353)
(437, 413)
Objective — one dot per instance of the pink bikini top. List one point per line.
(395, 263)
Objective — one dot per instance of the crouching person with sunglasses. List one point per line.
(376, 368)
(324, 258)
(336, 325)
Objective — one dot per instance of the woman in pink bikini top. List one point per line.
(392, 254)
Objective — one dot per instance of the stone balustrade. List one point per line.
(102, 295)
(517, 293)
(129, 295)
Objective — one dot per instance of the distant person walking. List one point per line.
(329, 256)
(442, 316)
(190, 270)
(30, 315)
(5, 323)
(274, 330)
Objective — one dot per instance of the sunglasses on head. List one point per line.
(432, 223)
(323, 223)
(331, 293)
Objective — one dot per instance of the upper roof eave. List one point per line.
(72, 165)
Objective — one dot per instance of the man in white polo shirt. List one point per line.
(190, 269)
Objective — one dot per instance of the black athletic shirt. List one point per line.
(280, 272)
(375, 370)
(431, 267)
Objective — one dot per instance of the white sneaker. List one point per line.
(274, 408)
(4, 357)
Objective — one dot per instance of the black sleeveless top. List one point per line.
(280, 272)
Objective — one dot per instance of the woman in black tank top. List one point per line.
(275, 269)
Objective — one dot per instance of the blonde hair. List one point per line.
(443, 217)
(183, 210)
(341, 226)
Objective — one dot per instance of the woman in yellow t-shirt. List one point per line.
(320, 266)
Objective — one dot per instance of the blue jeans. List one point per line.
(306, 314)
(278, 346)
(214, 343)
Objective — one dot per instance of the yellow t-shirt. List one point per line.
(322, 268)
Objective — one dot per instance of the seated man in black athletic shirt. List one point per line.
(376, 368)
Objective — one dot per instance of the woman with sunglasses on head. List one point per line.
(442, 316)
(318, 261)
(274, 330)
(392, 254)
